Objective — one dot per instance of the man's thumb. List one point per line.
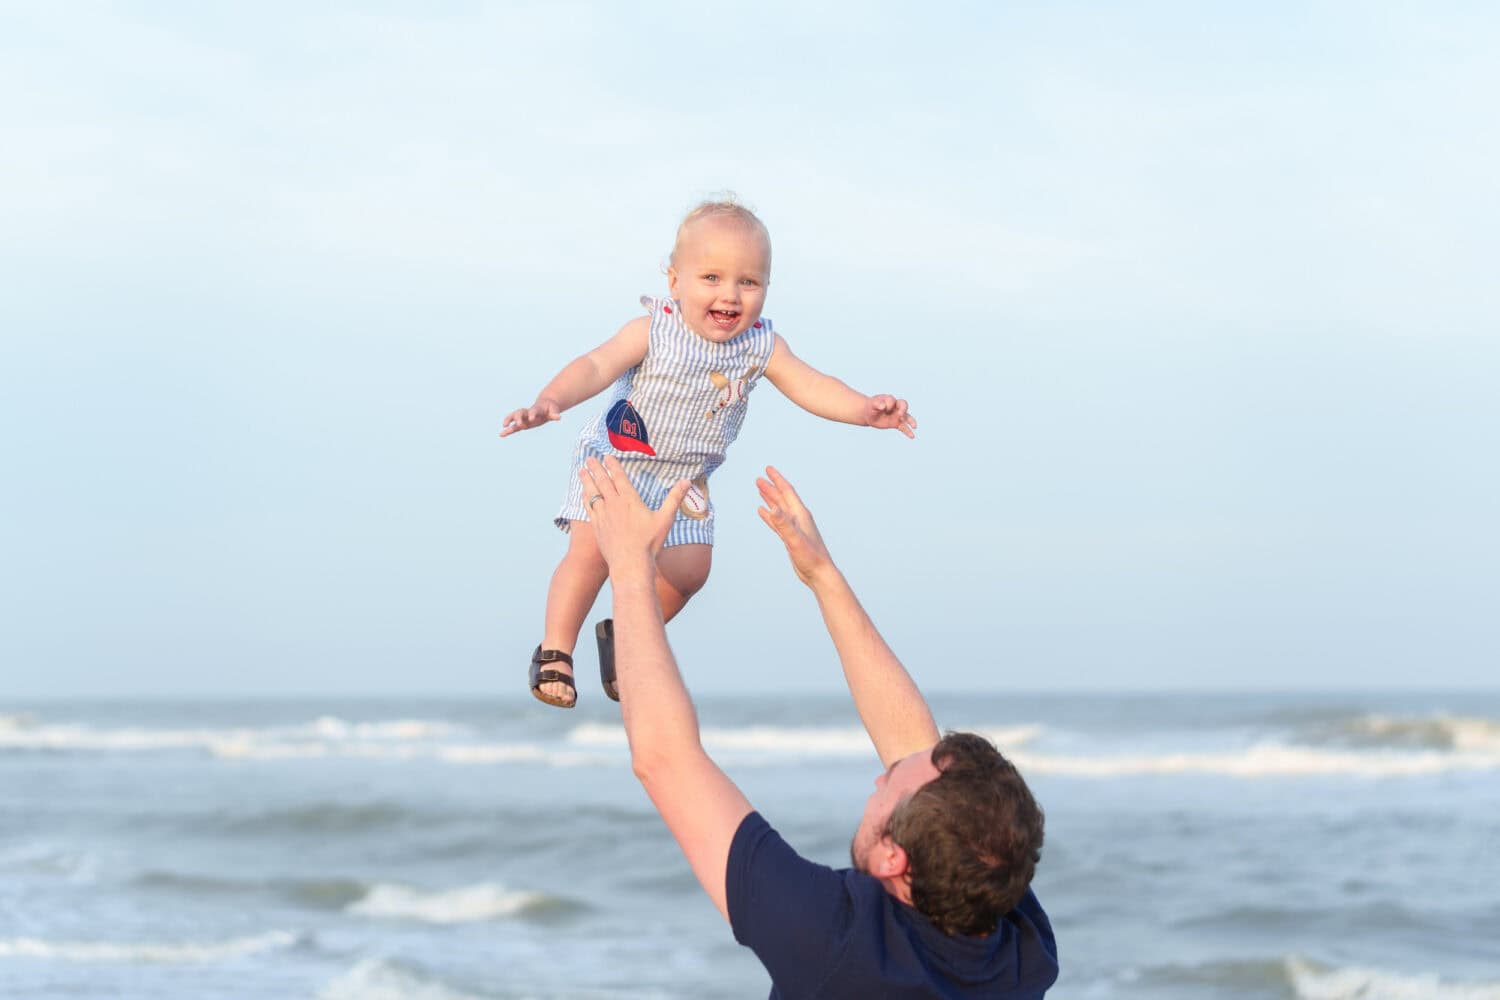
(669, 506)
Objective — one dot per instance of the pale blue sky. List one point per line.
(1195, 304)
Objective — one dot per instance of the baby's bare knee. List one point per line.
(685, 567)
(586, 562)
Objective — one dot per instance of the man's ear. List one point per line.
(888, 859)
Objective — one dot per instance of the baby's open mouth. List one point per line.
(724, 317)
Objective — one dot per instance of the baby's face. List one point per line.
(719, 277)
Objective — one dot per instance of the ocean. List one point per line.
(1245, 847)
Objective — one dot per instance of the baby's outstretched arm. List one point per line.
(584, 377)
(827, 397)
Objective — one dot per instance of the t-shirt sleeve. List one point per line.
(793, 913)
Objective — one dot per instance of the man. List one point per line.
(938, 903)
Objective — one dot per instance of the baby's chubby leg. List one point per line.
(575, 585)
(681, 571)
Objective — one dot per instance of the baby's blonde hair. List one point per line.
(726, 206)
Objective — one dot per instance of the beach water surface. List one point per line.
(1254, 847)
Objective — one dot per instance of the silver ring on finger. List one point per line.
(595, 498)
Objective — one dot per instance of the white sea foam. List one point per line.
(1438, 731)
(25, 733)
(174, 953)
(1263, 760)
(604, 747)
(376, 979)
(333, 728)
(464, 905)
(451, 753)
(1312, 982)
(1008, 738)
(1390, 747)
(16, 722)
(811, 741)
(804, 741)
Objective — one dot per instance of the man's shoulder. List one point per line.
(757, 844)
(813, 926)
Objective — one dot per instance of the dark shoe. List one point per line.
(540, 677)
(605, 633)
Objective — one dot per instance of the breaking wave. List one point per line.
(384, 979)
(1263, 760)
(1356, 745)
(1435, 732)
(24, 732)
(172, 953)
(813, 741)
(1309, 980)
(1317, 982)
(463, 905)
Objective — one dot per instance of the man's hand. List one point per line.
(889, 704)
(785, 514)
(540, 412)
(628, 532)
(885, 411)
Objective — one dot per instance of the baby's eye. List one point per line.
(749, 282)
(712, 278)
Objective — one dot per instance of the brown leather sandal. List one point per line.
(605, 633)
(540, 676)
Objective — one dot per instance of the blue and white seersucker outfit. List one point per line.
(685, 402)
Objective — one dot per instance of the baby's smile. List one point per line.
(718, 277)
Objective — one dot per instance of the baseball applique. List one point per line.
(695, 501)
(730, 390)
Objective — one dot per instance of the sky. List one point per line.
(1195, 305)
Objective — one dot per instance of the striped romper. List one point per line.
(673, 416)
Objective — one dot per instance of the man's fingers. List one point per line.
(791, 499)
(778, 522)
(773, 519)
(773, 498)
(668, 510)
(604, 483)
(768, 492)
(617, 478)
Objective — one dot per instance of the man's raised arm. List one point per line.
(700, 805)
(894, 712)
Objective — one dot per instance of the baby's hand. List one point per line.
(885, 411)
(534, 416)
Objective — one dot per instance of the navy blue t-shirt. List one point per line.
(824, 932)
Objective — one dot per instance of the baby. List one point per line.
(679, 382)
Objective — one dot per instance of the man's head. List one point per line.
(957, 828)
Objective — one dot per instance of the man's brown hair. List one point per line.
(972, 836)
